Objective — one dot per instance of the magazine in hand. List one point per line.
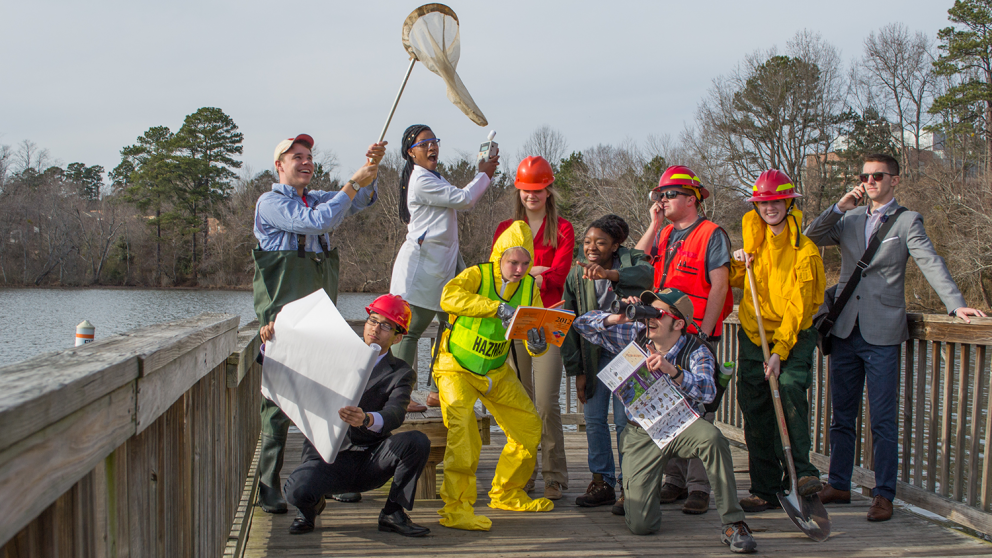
(650, 397)
(555, 322)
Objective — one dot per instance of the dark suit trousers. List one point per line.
(401, 456)
(852, 361)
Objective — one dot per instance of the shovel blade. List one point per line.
(807, 513)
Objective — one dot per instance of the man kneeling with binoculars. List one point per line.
(657, 322)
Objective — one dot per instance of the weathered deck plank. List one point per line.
(350, 529)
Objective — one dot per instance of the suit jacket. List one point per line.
(879, 302)
(387, 393)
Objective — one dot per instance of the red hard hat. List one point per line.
(682, 176)
(393, 308)
(773, 185)
(534, 173)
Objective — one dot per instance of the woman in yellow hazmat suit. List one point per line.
(790, 281)
(471, 365)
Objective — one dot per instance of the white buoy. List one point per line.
(84, 333)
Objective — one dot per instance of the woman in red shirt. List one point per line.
(554, 242)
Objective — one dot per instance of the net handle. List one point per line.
(397, 100)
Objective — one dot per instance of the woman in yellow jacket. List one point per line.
(472, 365)
(790, 282)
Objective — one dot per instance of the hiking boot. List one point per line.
(552, 490)
(597, 494)
(669, 493)
(738, 537)
(617, 508)
(809, 486)
(755, 504)
(529, 487)
(698, 502)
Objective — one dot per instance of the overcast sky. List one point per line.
(84, 79)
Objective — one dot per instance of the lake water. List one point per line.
(36, 321)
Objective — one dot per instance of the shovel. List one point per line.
(807, 513)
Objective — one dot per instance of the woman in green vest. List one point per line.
(472, 365)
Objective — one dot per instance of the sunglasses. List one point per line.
(428, 142)
(658, 195)
(669, 314)
(878, 176)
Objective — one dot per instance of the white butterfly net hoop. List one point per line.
(430, 34)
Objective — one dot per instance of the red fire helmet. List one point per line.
(773, 185)
(393, 308)
(682, 176)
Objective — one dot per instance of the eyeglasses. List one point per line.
(658, 195)
(428, 142)
(384, 327)
(878, 176)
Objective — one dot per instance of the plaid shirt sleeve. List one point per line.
(612, 338)
(697, 382)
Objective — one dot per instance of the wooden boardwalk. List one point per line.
(350, 529)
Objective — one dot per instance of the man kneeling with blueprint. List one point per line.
(661, 373)
(360, 454)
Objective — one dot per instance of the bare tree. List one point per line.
(545, 142)
(898, 66)
(775, 110)
(30, 156)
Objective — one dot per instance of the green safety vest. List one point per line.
(479, 344)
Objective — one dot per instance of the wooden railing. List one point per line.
(945, 427)
(136, 445)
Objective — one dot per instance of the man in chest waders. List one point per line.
(293, 259)
(472, 365)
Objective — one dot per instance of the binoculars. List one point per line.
(634, 311)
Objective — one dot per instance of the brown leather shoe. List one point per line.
(830, 495)
(433, 400)
(415, 407)
(880, 510)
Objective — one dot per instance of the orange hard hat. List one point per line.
(534, 173)
(773, 185)
(683, 177)
(393, 308)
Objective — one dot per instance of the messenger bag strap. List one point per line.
(852, 283)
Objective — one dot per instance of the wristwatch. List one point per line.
(353, 185)
(368, 420)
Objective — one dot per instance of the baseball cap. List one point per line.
(676, 299)
(285, 144)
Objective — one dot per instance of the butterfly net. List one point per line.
(430, 34)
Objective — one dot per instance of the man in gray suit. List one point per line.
(868, 333)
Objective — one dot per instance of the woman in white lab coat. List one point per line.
(429, 258)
